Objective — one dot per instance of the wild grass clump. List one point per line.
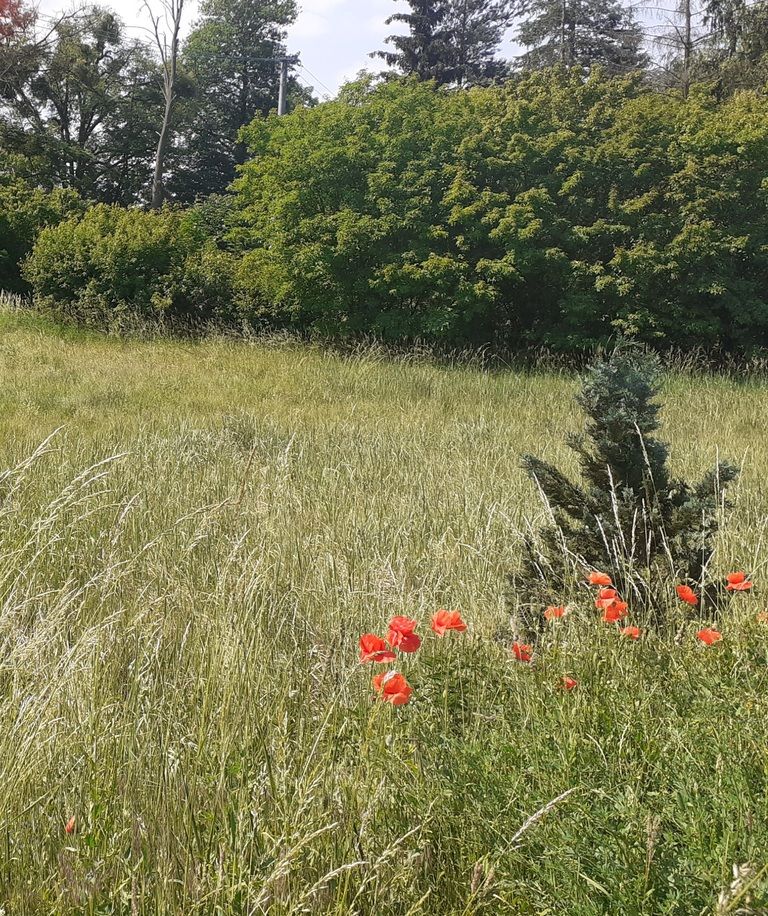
(186, 568)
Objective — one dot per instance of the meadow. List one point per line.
(193, 536)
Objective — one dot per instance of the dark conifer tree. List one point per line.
(628, 517)
(425, 50)
(475, 30)
(580, 33)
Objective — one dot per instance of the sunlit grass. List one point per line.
(185, 568)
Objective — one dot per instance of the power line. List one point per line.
(317, 79)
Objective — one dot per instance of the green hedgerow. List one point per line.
(113, 262)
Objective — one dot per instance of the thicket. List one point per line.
(24, 212)
(115, 263)
(552, 211)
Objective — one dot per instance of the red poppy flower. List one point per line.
(687, 594)
(522, 652)
(709, 637)
(392, 688)
(70, 826)
(401, 634)
(443, 621)
(374, 649)
(631, 632)
(605, 598)
(615, 611)
(738, 582)
(598, 578)
(553, 613)
(568, 683)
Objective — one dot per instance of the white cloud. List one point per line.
(308, 27)
(313, 7)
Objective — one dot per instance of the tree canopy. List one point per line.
(581, 33)
(553, 210)
(450, 41)
(231, 57)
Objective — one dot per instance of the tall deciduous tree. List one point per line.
(231, 55)
(166, 27)
(689, 44)
(77, 106)
(14, 18)
(580, 33)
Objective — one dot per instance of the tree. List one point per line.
(16, 44)
(727, 19)
(451, 41)
(426, 50)
(167, 43)
(753, 32)
(734, 46)
(231, 57)
(77, 106)
(475, 29)
(14, 18)
(580, 33)
(681, 37)
(130, 133)
(629, 517)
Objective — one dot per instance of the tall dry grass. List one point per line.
(186, 563)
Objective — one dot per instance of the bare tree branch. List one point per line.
(165, 21)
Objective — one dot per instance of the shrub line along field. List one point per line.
(186, 566)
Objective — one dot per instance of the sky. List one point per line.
(333, 37)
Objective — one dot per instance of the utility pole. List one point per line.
(283, 87)
(282, 98)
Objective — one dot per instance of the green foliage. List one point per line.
(80, 107)
(229, 55)
(580, 33)
(24, 212)
(552, 211)
(628, 517)
(450, 41)
(115, 262)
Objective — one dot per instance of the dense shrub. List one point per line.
(24, 212)
(550, 211)
(115, 261)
